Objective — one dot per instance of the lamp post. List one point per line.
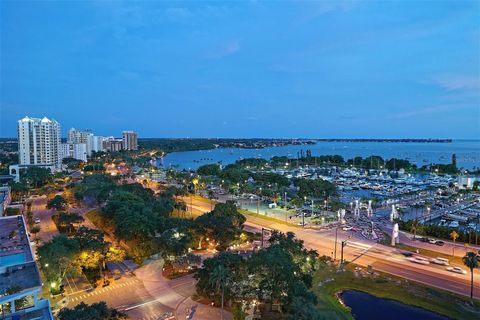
(286, 212)
(335, 250)
(344, 243)
(303, 212)
(258, 201)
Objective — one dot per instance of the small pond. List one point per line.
(364, 306)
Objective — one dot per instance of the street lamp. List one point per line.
(303, 212)
(258, 201)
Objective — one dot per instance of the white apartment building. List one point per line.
(97, 145)
(39, 142)
(74, 150)
(81, 136)
(130, 140)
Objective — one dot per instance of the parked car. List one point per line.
(440, 243)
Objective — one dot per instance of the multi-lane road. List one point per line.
(364, 253)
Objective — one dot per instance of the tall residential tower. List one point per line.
(130, 140)
(39, 142)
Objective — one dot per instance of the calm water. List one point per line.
(467, 151)
(367, 307)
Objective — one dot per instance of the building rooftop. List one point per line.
(25, 276)
(14, 242)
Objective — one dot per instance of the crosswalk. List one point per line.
(103, 290)
(164, 316)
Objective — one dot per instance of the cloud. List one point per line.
(178, 13)
(425, 111)
(457, 82)
(228, 49)
(347, 117)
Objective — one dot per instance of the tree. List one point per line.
(36, 176)
(73, 163)
(219, 279)
(58, 256)
(58, 203)
(302, 303)
(416, 226)
(212, 197)
(232, 263)
(454, 236)
(222, 225)
(95, 311)
(471, 261)
(67, 220)
(174, 243)
(209, 170)
(35, 229)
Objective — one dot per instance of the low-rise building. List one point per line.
(20, 283)
(5, 199)
(465, 182)
(74, 150)
(113, 145)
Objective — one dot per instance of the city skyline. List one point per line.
(309, 70)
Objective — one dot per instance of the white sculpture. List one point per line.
(395, 238)
(356, 212)
(369, 209)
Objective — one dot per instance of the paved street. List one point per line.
(363, 252)
(148, 295)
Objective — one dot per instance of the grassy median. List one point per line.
(264, 217)
(328, 282)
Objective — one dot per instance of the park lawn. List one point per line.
(261, 216)
(385, 286)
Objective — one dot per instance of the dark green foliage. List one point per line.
(209, 170)
(280, 273)
(222, 225)
(96, 187)
(234, 175)
(270, 178)
(72, 163)
(58, 203)
(315, 188)
(231, 262)
(95, 311)
(57, 256)
(36, 176)
(433, 230)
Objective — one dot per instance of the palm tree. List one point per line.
(471, 261)
(219, 279)
(454, 236)
(414, 228)
(211, 196)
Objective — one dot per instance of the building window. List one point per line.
(6, 308)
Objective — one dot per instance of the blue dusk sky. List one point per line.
(366, 69)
